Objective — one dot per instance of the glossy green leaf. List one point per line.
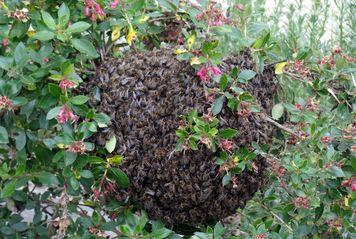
(217, 105)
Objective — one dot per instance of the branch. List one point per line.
(270, 120)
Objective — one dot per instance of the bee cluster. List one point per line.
(145, 93)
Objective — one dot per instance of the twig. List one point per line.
(275, 63)
(278, 218)
(270, 120)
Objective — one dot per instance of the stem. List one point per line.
(270, 120)
(278, 218)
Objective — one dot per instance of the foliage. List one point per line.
(48, 165)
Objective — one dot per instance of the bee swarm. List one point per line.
(144, 93)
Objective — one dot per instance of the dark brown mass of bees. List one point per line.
(144, 93)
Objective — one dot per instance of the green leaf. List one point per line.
(111, 144)
(277, 111)
(19, 101)
(53, 113)
(228, 133)
(54, 89)
(85, 47)
(303, 53)
(4, 137)
(245, 75)
(115, 160)
(234, 72)
(160, 233)
(101, 118)
(20, 54)
(120, 177)
(223, 82)
(44, 35)
(5, 62)
(78, 27)
(337, 172)
(74, 183)
(20, 140)
(79, 99)
(226, 179)
(63, 15)
(47, 178)
(182, 133)
(49, 21)
(8, 189)
(219, 230)
(217, 105)
(69, 158)
(192, 144)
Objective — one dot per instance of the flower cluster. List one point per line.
(349, 183)
(93, 10)
(226, 145)
(334, 224)
(299, 67)
(5, 42)
(114, 4)
(302, 202)
(77, 147)
(213, 15)
(240, 7)
(6, 103)
(260, 236)
(20, 14)
(207, 72)
(331, 58)
(326, 140)
(278, 169)
(66, 84)
(65, 114)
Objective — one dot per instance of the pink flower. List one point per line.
(216, 70)
(301, 202)
(203, 74)
(353, 185)
(254, 167)
(6, 103)
(77, 147)
(240, 7)
(260, 236)
(226, 145)
(96, 194)
(326, 139)
(93, 10)
(206, 73)
(87, 11)
(349, 183)
(337, 50)
(66, 84)
(65, 114)
(45, 59)
(298, 106)
(5, 42)
(214, 15)
(114, 4)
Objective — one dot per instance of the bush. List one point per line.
(54, 178)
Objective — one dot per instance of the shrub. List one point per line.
(51, 167)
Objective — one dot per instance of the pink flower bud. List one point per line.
(65, 114)
(87, 11)
(66, 84)
(6, 103)
(5, 42)
(216, 70)
(240, 7)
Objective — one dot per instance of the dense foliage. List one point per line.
(54, 180)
